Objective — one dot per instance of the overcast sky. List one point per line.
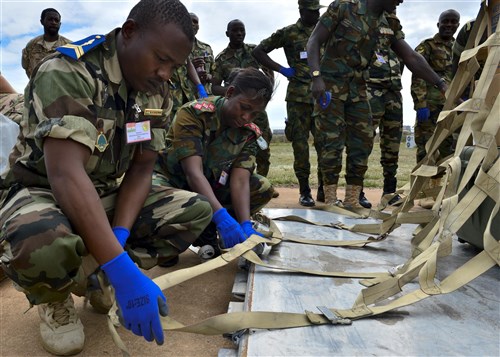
(20, 22)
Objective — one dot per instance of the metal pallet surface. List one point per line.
(465, 322)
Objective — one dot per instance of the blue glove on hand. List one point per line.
(139, 299)
(287, 72)
(248, 229)
(324, 100)
(423, 114)
(229, 230)
(202, 93)
(122, 234)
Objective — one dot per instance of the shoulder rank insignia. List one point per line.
(386, 31)
(77, 49)
(204, 106)
(258, 133)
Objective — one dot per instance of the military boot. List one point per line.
(320, 195)
(389, 188)
(331, 195)
(352, 193)
(363, 201)
(305, 198)
(60, 328)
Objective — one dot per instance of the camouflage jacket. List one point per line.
(231, 58)
(462, 38)
(202, 49)
(437, 53)
(88, 102)
(197, 130)
(181, 88)
(35, 51)
(385, 68)
(293, 40)
(349, 50)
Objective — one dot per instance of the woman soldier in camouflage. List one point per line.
(211, 148)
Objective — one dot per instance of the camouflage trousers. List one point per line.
(424, 131)
(262, 159)
(344, 124)
(42, 254)
(260, 192)
(387, 111)
(299, 124)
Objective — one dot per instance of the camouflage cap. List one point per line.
(309, 5)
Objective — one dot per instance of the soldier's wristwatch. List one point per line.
(315, 74)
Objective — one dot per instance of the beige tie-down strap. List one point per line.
(433, 238)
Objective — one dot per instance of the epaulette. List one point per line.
(258, 134)
(204, 106)
(253, 127)
(77, 49)
(468, 25)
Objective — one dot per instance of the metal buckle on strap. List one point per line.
(333, 317)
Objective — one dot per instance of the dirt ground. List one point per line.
(192, 301)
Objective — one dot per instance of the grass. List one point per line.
(281, 171)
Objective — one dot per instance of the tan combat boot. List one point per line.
(60, 328)
(352, 196)
(331, 195)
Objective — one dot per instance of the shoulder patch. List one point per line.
(253, 127)
(204, 106)
(77, 49)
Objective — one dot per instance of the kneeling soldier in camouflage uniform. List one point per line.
(211, 148)
(104, 117)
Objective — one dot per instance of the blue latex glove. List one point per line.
(122, 234)
(229, 230)
(423, 114)
(287, 72)
(202, 93)
(139, 299)
(248, 229)
(324, 100)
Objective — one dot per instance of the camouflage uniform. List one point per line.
(39, 249)
(225, 62)
(437, 52)
(202, 49)
(386, 103)
(36, 50)
(458, 48)
(347, 120)
(300, 102)
(180, 88)
(196, 131)
(11, 105)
